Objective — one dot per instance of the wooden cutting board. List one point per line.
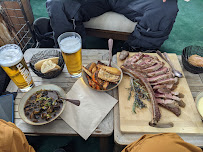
(188, 122)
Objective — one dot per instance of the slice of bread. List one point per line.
(49, 66)
(38, 65)
(104, 75)
(111, 70)
(196, 60)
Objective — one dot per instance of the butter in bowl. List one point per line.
(199, 104)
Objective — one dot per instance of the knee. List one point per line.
(53, 5)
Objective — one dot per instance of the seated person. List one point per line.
(165, 142)
(12, 139)
(155, 18)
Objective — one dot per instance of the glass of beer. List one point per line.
(71, 45)
(13, 63)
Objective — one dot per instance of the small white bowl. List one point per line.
(24, 99)
(197, 99)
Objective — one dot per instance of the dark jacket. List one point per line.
(155, 19)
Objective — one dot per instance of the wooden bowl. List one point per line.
(111, 86)
(197, 99)
(24, 99)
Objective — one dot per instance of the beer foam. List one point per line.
(10, 57)
(70, 44)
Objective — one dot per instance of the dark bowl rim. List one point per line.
(189, 67)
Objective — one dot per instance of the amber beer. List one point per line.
(70, 45)
(13, 63)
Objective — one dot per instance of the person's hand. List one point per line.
(164, 0)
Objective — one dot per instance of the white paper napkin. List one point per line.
(94, 106)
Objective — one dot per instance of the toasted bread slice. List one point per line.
(104, 75)
(111, 70)
(87, 71)
(49, 66)
(38, 65)
(92, 66)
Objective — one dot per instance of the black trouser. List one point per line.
(155, 19)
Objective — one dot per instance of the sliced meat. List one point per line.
(132, 60)
(155, 58)
(166, 90)
(163, 90)
(147, 64)
(170, 105)
(156, 112)
(168, 86)
(167, 96)
(154, 67)
(166, 81)
(160, 77)
(162, 70)
(170, 96)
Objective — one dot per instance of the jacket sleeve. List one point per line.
(12, 138)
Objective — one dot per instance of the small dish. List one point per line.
(189, 51)
(199, 104)
(111, 86)
(24, 99)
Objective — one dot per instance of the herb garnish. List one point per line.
(139, 92)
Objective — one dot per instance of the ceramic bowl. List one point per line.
(24, 99)
(197, 99)
(111, 86)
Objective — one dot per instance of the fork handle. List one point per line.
(110, 45)
(75, 102)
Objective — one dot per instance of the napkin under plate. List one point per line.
(94, 106)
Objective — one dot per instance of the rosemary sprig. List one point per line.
(139, 93)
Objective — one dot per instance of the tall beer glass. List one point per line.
(13, 63)
(71, 45)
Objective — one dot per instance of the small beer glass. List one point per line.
(71, 45)
(13, 63)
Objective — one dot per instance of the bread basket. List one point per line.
(45, 54)
(187, 52)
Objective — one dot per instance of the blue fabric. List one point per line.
(7, 107)
(155, 18)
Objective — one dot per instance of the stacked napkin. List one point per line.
(94, 106)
